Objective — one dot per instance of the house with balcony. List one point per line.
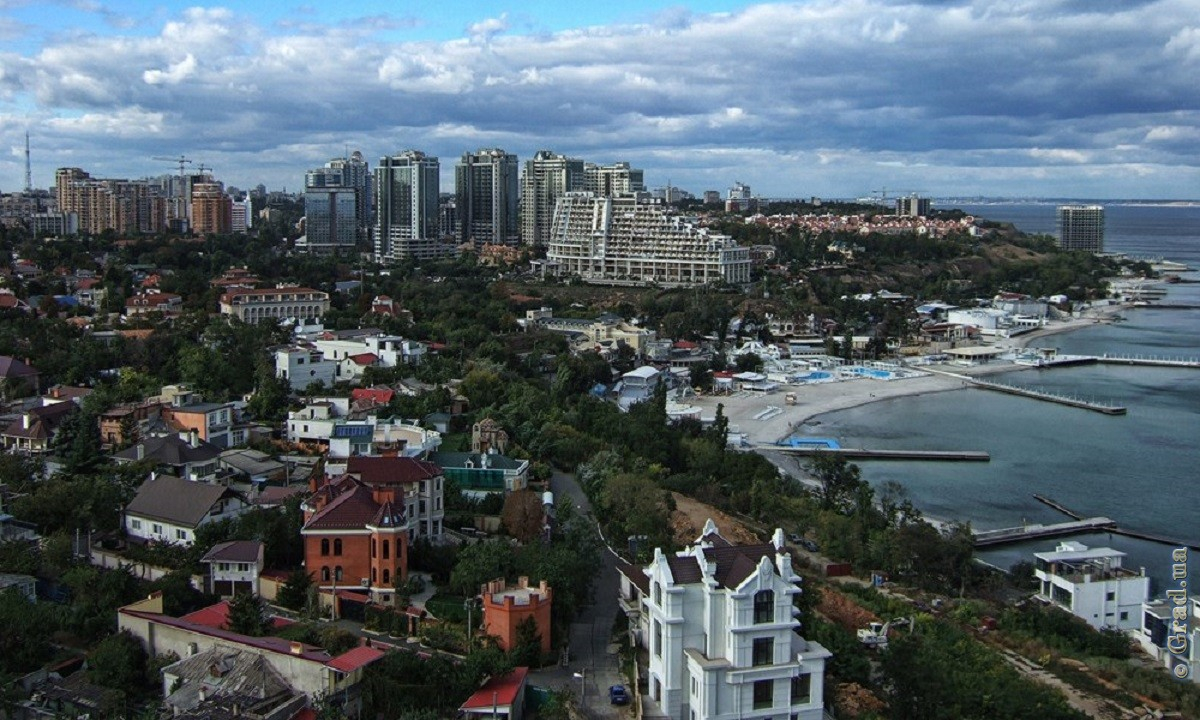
(1091, 583)
(380, 436)
(234, 567)
(722, 633)
(33, 431)
(183, 411)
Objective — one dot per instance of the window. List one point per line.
(180, 534)
(764, 606)
(324, 546)
(373, 543)
(135, 524)
(658, 638)
(387, 576)
(156, 529)
(387, 549)
(223, 567)
(243, 567)
(763, 690)
(337, 573)
(1124, 616)
(374, 575)
(764, 651)
(337, 546)
(801, 689)
(1110, 596)
(325, 574)
(657, 594)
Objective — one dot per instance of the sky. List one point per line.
(828, 98)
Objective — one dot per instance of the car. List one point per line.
(795, 539)
(617, 695)
(810, 546)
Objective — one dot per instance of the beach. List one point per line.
(816, 399)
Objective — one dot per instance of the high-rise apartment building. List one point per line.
(485, 189)
(638, 240)
(330, 220)
(351, 173)
(242, 216)
(1081, 227)
(615, 179)
(212, 209)
(913, 206)
(126, 206)
(547, 177)
(406, 192)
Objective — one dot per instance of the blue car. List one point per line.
(617, 695)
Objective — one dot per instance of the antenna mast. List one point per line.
(28, 167)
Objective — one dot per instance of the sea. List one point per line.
(1141, 469)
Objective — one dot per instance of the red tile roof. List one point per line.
(272, 644)
(391, 470)
(356, 658)
(382, 396)
(217, 617)
(353, 507)
(365, 358)
(499, 691)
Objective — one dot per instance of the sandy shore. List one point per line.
(817, 399)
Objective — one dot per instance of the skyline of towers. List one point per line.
(407, 191)
(485, 190)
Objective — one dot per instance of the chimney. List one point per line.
(141, 451)
(193, 438)
(25, 421)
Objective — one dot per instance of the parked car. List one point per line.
(617, 695)
(795, 539)
(809, 545)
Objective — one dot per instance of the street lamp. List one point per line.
(582, 675)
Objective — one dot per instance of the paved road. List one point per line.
(592, 654)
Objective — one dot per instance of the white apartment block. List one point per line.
(638, 240)
(302, 366)
(278, 303)
(722, 633)
(1091, 584)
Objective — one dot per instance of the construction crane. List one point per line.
(202, 168)
(178, 208)
(180, 161)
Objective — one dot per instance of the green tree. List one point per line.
(294, 593)
(840, 481)
(527, 650)
(118, 662)
(247, 615)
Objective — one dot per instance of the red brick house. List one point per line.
(356, 536)
(506, 607)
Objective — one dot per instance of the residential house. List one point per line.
(1090, 583)
(229, 683)
(153, 301)
(129, 419)
(607, 332)
(722, 633)
(253, 466)
(303, 366)
(170, 509)
(213, 422)
(234, 567)
(90, 292)
(375, 436)
(637, 385)
(500, 698)
(17, 378)
(310, 670)
(1170, 633)
(390, 350)
(356, 536)
(314, 422)
(421, 482)
(480, 474)
(33, 432)
(191, 459)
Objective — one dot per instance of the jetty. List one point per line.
(1034, 531)
(1116, 530)
(809, 450)
(1148, 361)
(1094, 406)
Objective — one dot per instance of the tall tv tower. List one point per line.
(28, 167)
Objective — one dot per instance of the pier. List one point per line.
(865, 454)
(1034, 531)
(1100, 407)
(1115, 529)
(1142, 360)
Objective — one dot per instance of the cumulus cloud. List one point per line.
(174, 74)
(853, 92)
